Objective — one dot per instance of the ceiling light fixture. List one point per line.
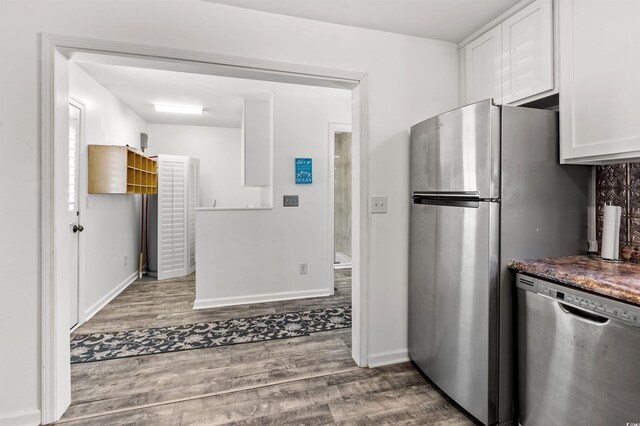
(179, 109)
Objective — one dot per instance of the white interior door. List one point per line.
(172, 216)
(72, 213)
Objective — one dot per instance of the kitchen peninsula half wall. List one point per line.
(253, 255)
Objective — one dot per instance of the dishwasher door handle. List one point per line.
(583, 315)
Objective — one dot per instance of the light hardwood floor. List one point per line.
(148, 303)
(304, 380)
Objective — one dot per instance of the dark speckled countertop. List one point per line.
(618, 280)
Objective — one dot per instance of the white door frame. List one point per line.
(333, 129)
(55, 378)
(81, 199)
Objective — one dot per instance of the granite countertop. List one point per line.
(618, 280)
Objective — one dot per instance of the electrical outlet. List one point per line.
(125, 260)
(303, 269)
(378, 205)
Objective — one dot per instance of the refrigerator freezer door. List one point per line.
(453, 271)
(458, 151)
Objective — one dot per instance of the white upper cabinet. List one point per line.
(527, 48)
(599, 81)
(512, 60)
(483, 65)
(256, 143)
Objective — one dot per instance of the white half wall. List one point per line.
(410, 79)
(111, 221)
(254, 255)
(218, 149)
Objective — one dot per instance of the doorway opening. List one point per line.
(57, 51)
(342, 201)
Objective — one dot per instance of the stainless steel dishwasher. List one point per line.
(578, 357)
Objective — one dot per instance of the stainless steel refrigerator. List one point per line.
(486, 188)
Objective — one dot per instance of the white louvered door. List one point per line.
(172, 216)
(194, 201)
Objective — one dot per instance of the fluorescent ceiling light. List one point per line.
(179, 109)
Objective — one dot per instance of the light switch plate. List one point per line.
(378, 205)
(290, 200)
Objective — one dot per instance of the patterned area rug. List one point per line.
(122, 344)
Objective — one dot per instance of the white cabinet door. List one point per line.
(527, 46)
(599, 81)
(256, 143)
(483, 67)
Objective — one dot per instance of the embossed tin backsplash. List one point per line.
(619, 184)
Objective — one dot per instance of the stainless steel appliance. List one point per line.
(578, 356)
(486, 188)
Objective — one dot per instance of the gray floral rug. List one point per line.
(122, 344)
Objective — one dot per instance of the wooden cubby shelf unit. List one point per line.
(117, 169)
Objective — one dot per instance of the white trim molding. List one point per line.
(257, 298)
(360, 222)
(85, 49)
(55, 377)
(55, 385)
(388, 358)
(21, 418)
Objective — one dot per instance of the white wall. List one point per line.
(254, 255)
(111, 221)
(409, 79)
(218, 149)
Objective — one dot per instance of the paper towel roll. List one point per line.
(611, 232)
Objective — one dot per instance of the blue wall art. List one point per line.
(304, 171)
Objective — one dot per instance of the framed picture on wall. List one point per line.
(304, 171)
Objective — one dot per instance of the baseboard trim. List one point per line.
(387, 358)
(21, 418)
(258, 298)
(95, 308)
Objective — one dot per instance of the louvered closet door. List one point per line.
(194, 201)
(172, 216)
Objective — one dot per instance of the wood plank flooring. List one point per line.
(148, 303)
(304, 380)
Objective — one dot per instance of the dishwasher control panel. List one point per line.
(581, 299)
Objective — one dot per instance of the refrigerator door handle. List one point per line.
(448, 194)
(470, 199)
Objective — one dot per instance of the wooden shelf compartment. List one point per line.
(117, 169)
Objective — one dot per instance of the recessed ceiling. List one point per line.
(221, 97)
(448, 20)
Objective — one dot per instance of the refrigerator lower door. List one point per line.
(453, 277)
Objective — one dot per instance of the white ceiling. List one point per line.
(221, 97)
(448, 20)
